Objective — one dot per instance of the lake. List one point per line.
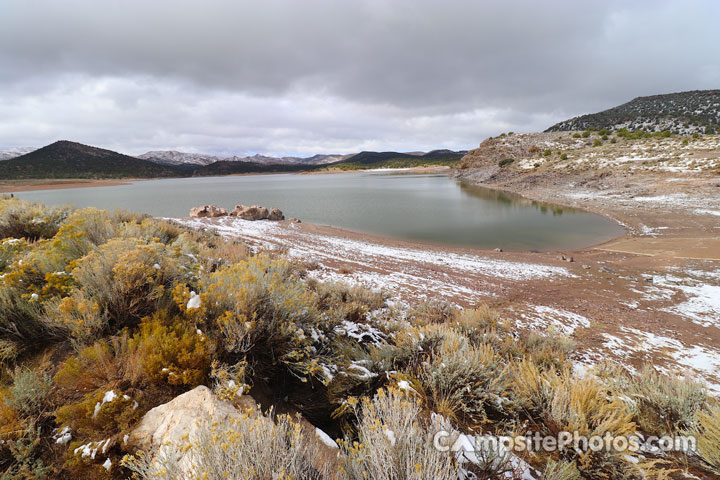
(428, 208)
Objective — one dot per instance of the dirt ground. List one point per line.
(10, 186)
(645, 297)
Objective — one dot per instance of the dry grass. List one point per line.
(394, 442)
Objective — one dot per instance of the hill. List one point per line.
(685, 112)
(398, 160)
(229, 167)
(64, 159)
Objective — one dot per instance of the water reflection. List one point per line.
(512, 199)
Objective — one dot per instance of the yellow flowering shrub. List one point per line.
(175, 353)
(258, 306)
(129, 279)
(80, 316)
(32, 221)
(10, 250)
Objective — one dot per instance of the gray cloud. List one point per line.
(285, 76)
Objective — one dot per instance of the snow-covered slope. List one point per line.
(9, 153)
(173, 157)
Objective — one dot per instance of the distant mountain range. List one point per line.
(173, 157)
(65, 159)
(685, 112)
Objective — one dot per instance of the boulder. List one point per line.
(250, 213)
(169, 428)
(275, 215)
(208, 211)
(186, 414)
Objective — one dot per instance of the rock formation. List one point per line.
(250, 213)
(241, 211)
(276, 215)
(208, 211)
(169, 428)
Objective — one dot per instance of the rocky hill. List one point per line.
(685, 112)
(365, 160)
(64, 159)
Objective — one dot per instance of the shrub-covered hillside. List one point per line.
(104, 316)
(684, 112)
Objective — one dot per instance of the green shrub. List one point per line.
(547, 152)
(463, 383)
(576, 135)
(10, 250)
(506, 161)
(25, 454)
(29, 391)
(597, 143)
(260, 309)
(586, 133)
(393, 440)
(563, 156)
(22, 320)
(32, 221)
(129, 279)
(665, 404)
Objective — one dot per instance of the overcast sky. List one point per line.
(312, 76)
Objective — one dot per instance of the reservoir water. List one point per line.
(428, 208)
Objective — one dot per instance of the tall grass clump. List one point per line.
(394, 440)
(557, 402)
(665, 405)
(707, 433)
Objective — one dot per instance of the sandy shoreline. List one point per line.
(10, 186)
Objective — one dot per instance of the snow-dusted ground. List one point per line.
(696, 360)
(542, 317)
(691, 295)
(402, 272)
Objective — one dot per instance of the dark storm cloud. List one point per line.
(291, 76)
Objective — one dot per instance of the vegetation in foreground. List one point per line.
(104, 316)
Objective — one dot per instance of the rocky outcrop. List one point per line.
(241, 211)
(208, 211)
(257, 213)
(250, 213)
(275, 215)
